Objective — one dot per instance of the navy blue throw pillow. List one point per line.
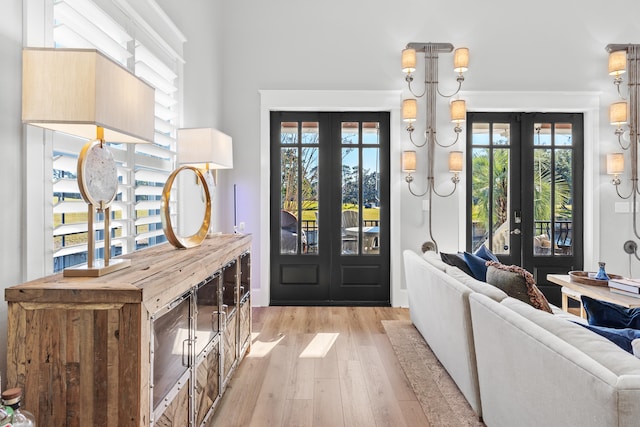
(621, 337)
(610, 315)
(477, 266)
(485, 253)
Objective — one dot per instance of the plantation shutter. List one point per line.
(142, 168)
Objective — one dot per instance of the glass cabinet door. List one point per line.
(207, 313)
(171, 347)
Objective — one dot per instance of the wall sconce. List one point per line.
(617, 65)
(623, 57)
(457, 109)
(455, 165)
(618, 117)
(83, 93)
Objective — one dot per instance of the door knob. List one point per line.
(516, 231)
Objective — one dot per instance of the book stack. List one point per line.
(629, 287)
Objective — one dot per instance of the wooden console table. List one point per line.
(153, 344)
(597, 292)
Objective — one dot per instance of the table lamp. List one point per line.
(83, 93)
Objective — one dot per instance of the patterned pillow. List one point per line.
(518, 283)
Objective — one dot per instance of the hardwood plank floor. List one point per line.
(320, 367)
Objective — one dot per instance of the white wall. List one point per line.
(336, 45)
(12, 170)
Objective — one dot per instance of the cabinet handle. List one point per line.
(224, 323)
(188, 353)
(213, 321)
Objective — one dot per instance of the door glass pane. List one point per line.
(563, 134)
(480, 134)
(370, 133)
(543, 243)
(542, 134)
(501, 134)
(310, 201)
(480, 196)
(501, 202)
(371, 198)
(310, 132)
(350, 133)
(350, 200)
(289, 200)
(563, 202)
(289, 133)
(299, 187)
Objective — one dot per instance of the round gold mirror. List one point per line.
(195, 239)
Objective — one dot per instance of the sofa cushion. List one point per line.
(476, 285)
(621, 337)
(477, 266)
(518, 283)
(592, 345)
(456, 260)
(434, 259)
(610, 315)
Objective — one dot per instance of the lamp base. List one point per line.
(97, 271)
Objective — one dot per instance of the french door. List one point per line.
(329, 216)
(524, 194)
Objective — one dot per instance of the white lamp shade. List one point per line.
(409, 161)
(615, 163)
(617, 62)
(205, 148)
(408, 60)
(618, 113)
(461, 60)
(409, 110)
(455, 161)
(458, 110)
(78, 90)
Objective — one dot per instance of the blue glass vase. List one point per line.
(601, 275)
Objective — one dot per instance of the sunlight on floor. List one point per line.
(261, 348)
(319, 345)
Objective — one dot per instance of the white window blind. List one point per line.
(142, 168)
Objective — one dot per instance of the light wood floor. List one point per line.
(321, 367)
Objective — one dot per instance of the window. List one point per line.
(142, 168)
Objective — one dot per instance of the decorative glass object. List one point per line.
(601, 275)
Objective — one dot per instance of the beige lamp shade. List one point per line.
(458, 109)
(408, 60)
(408, 161)
(455, 161)
(461, 60)
(615, 164)
(617, 62)
(409, 110)
(618, 113)
(76, 91)
(205, 148)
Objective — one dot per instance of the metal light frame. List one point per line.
(431, 90)
(633, 121)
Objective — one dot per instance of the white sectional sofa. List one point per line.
(516, 365)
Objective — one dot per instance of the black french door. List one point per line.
(524, 192)
(329, 216)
